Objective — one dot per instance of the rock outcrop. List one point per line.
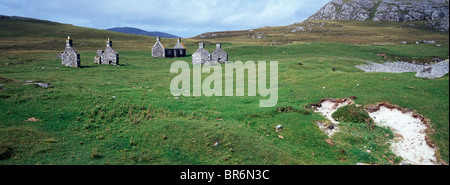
(434, 71)
(435, 12)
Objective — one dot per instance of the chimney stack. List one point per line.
(109, 43)
(69, 42)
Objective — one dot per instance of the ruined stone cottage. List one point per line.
(70, 56)
(203, 57)
(159, 51)
(108, 56)
(219, 55)
(179, 49)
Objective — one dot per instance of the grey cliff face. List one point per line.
(435, 12)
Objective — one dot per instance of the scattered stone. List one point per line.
(423, 70)
(327, 107)
(40, 84)
(32, 119)
(434, 71)
(328, 128)
(278, 128)
(429, 42)
(330, 142)
(43, 85)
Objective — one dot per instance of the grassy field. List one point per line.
(101, 114)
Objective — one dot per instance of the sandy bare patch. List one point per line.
(410, 140)
(327, 107)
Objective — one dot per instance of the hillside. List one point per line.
(354, 22)
(343, 31)
(137, 31)
(434, 12)
(126, 115)
(20, 33)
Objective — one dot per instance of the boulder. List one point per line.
(434, 71)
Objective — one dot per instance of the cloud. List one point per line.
(186, 18)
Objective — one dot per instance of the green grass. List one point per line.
(352, 114)
(81, 122)
(102, 114)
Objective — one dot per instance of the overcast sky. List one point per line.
(185, 18)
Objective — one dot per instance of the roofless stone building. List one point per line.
(219, 55)
(108, 56)
(179, 49)
(159, 51)
(70, 56)
(203, 57)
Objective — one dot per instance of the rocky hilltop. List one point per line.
(435, 12)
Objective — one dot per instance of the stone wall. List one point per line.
(169, 53)
(70, 56)
(219, 55)
(158, 49)
(203, 57)
(108, 56)
(179, 52)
